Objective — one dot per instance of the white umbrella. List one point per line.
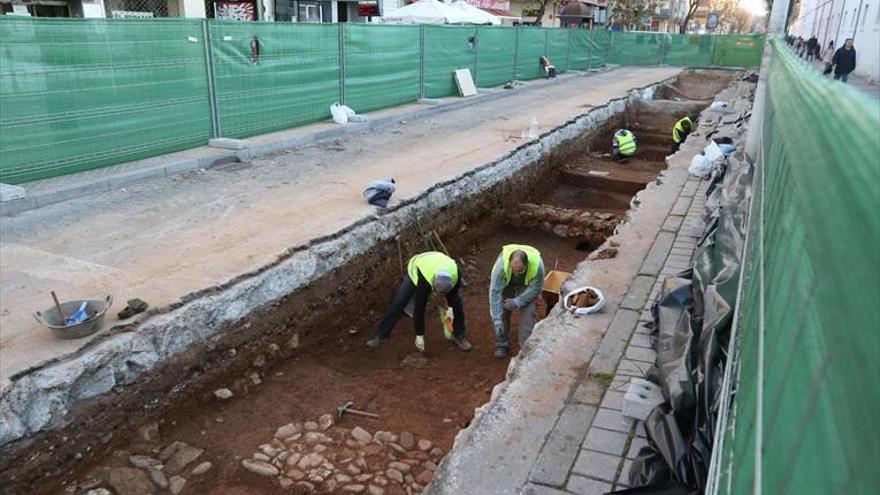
(427, 12)
(477, 15)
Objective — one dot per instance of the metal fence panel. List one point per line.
(79, 94)
(381, 65)
(580, 49)
(495, 56)
(688, 50)
(808, 357)
(293, 79)
(557, 48)
(732, 50)
(629, 48)
(530, 48)
(447, 48)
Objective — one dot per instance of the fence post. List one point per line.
(212, 87)
(661, 42)
(422, 35)
(546, 41)
(476, 54)
(590, 42)
(341, 32)
(515, 51)
(610, 50)
(568, 52)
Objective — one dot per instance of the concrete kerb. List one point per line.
(255, 149)
(42, 397)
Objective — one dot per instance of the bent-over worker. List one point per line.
(517, 280)
(623, 145)
(681, 129)
(429, 272)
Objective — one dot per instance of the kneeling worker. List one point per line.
(517, 280)
(681, 129)
(623, 145)
(426, 273)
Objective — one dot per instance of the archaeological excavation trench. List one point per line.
(294, 361)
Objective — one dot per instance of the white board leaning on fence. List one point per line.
(465, 82)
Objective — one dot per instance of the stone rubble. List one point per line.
(323, 457)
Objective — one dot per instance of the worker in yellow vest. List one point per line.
(682, 128)
(517, 281)
(427, 273)
(623, 145)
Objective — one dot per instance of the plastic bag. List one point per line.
(341, 113)
(701, 166)
(569, 301)
(718, 105)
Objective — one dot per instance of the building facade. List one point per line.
(837, 20)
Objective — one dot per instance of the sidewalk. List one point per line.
(871, 89)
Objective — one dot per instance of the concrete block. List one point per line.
(562, 446)
(641, 398)
(597, 465)
(8, 192)
(638, 292)
(587, 486)
(657, 255)
(611, 419)
(228, 143)
(135, 177)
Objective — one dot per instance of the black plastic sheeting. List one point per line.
(691, 330)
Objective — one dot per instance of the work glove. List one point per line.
(420, 343)
(510, 304)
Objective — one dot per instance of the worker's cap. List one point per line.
(443, 282)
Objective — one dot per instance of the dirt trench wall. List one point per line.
(59, 414)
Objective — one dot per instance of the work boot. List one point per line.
(463, 343)
(376, 341)
(501, 352)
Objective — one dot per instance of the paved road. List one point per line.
(168, 237)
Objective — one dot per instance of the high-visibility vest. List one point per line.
(534, 259)
(626, 142)
(428, 264)
(678, 131)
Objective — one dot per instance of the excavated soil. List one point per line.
(304, 357)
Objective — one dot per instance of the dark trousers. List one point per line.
(675, 147)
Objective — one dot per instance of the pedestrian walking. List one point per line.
(516, 282)
(812, 48)
(827, 55)
(844, 60)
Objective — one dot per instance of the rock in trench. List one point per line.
(223, 394)
(407, 440)
(176, 484)
(325, 421)
(425, 445)
(260, 467)
(130, 481)
(159, 478)
(202, 468)
(181, 458)
(394, 475)
(287, 431)
(361, 435)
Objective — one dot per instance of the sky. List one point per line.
(754, 7)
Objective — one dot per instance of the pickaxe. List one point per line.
(346, 408)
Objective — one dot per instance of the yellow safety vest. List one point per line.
(678, 131)
(532, 254)
(626, 142)
(429, 264)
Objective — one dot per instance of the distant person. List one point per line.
(812, 48)
(427, 273)
(549, 69)
(827, 55)
(682, 128)
(623, 145)
(516, 282)
(844, 60)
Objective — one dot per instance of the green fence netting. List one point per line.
(530, 47)
(579, 56)
(292, 80)
(381, 66)
(628, 48)
(78, 94)
(808, 357)
(688, 50)
(447, 48)
(495, 58)
(557, 48)
(600, 45)
(737, 50)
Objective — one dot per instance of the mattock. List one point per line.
(346, 408)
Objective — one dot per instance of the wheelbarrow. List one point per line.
(55, 322)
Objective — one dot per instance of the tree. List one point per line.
(732, 17)
(629, 13)
(542, 9)
(692, 9)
